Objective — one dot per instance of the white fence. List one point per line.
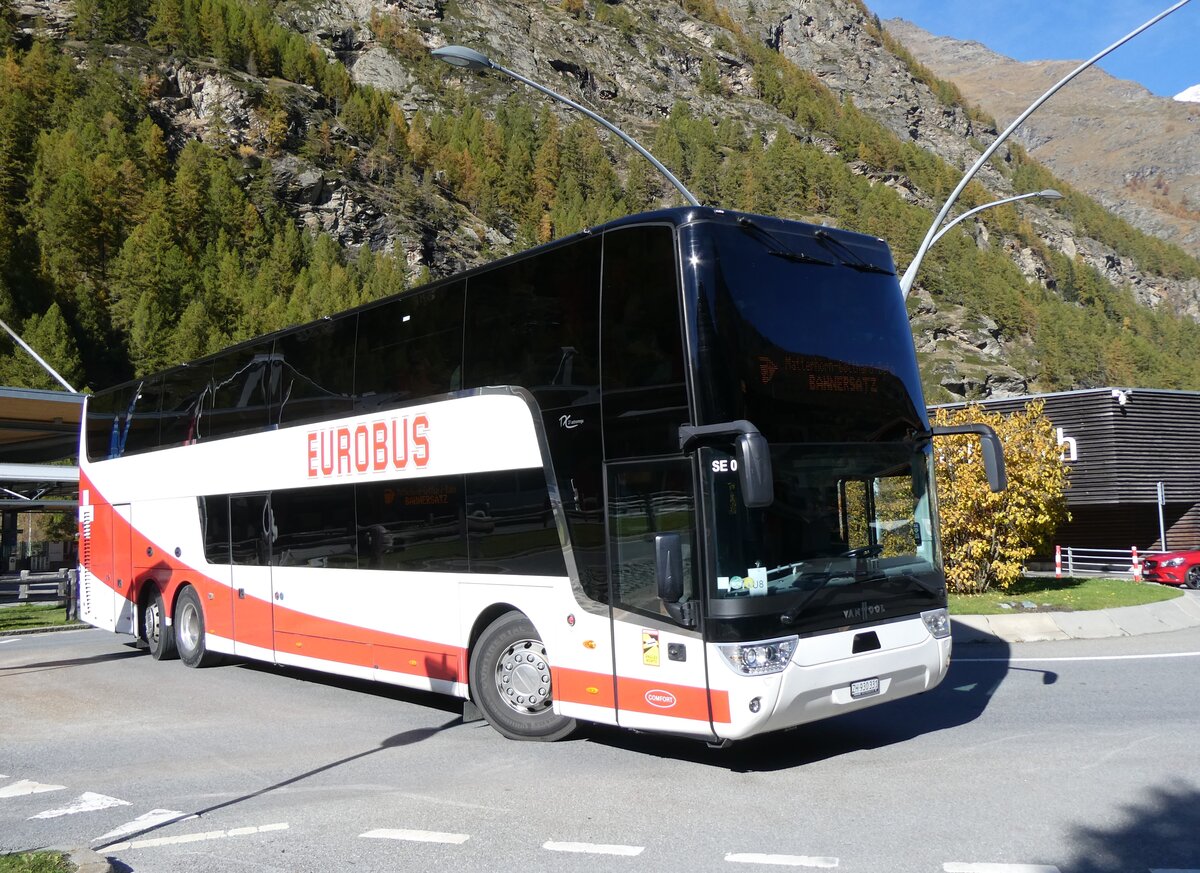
(1072, 561)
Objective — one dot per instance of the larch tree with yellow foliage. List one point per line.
(988, 537)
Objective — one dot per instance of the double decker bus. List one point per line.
(672, 473)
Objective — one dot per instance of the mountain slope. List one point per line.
(1134, 152)
(330, 116)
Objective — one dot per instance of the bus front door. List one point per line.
(250, 535)
(660, 673)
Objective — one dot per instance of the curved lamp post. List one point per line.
(469, 59)
(910, 274)
(1048, 194)
(41, 361)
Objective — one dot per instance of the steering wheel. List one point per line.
(865, 552)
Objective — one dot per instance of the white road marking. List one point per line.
(195, 838)
(416, 836)
(24, 787)
(594, 848)
(960, 867)
(1081, 658)
(152, 819)
(10, 640)
(779, 860)
(86, 802)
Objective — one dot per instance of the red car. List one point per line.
(1173, 568)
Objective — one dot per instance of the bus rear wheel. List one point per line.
(189, 631)
(160, 637)
(510, 681)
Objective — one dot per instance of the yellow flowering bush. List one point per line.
(988, 537)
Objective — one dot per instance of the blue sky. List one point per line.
(1165, 58)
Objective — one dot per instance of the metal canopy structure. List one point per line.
(37, 428)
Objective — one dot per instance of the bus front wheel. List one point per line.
(189, 631)
(160, 638)
(510, 681)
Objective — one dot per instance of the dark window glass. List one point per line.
(315, 371)
(314, 527)
(533, 323)
(510, 524)
(414, 524)
(106, 422)
(214, 519)
(141, 428)
(243, 382)
(645, 397)
(186, 397)
(250, 528)
(646, 500)
(410, 347)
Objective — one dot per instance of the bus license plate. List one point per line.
(864, 688)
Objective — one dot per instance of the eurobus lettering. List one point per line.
(376, 446)
(673, 474)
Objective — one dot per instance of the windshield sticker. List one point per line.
(650, 648)
(722, 583)
(756, 581)
(735, 583)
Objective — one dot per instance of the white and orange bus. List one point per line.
(672, 474)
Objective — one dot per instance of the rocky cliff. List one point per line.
(632, 61)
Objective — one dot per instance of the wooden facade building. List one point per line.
(1121, 443)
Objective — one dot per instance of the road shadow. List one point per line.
(43, 666)
(406, 738)
(399, 693)
(961, 698)
(1158, 831)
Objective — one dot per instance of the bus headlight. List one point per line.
(759, 659)
(937, 621)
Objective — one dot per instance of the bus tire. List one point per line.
(189, 631)
(510, 681)
(159, 636)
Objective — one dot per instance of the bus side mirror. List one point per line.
(668, 566)
(754, 470)
(993, 452)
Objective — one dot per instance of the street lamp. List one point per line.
(41, 361)
(910, 274)
(469, 59)
(1048, 194)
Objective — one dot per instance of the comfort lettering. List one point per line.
(384, 445)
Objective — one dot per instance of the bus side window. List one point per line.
(647, 499)
(414, 524)
(645, 397)
(106, 423)
(214, 520)
(314, 527)
(186, 397)
(249, 544)
(241, 390)
(316, 372)
(533, 323)
(141, 418)
(409, 348)
(510, 525)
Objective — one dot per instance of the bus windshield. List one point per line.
(850, 536)
(803, 332)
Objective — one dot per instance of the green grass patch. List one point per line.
(1074, 594)
(28, 615)
(36, 862)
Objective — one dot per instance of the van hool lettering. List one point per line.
(374, 447)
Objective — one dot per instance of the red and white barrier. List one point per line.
(1058, 562)
(1137, 566)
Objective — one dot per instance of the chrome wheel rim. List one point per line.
(152, 623)
(523, 677)
(189, 626)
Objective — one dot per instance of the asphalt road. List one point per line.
(1079, 755)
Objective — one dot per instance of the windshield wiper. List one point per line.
(928, 587)
(790, 615)
(782, 250)
(858, 263)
